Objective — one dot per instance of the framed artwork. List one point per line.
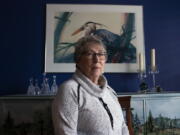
(119, 27)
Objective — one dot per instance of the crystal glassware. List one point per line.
(153, 72)
(37, 89)
(31, 88)
(54, 87)
(143, 86)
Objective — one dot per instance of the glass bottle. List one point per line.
(43, 84)
(47, 90)
(54, 87)
(31, 88)
(37, 89)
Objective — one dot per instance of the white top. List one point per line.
(88, 116)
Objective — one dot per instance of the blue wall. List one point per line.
(22, 43)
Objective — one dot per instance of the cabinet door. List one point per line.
(24, 115)
(138, 115)
(155, 114)
(163, 116)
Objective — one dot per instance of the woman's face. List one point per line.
(92, 61)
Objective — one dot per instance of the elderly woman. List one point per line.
(86, 104)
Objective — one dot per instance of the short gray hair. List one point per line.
(80, 48)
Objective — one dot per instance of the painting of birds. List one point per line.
(120, 49)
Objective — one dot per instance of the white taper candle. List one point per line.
(141, 62)
(153, 59)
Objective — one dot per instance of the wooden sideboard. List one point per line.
(152, 114)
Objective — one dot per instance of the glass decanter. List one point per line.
(37, 89)
(31, 88)
(54, 87)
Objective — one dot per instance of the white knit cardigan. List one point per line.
(81, 113)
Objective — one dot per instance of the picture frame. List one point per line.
(122, 26)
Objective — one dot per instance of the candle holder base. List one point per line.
(143, 87)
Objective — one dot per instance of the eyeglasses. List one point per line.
(100, 55)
